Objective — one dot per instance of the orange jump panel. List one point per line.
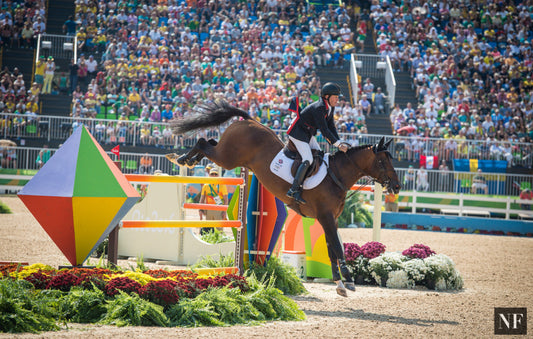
(180, 223)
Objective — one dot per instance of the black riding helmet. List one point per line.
(331, 88)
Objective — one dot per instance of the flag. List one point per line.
(116, 151)
(429, 162)
(294, 105)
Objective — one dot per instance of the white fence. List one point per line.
(502, 184)
(125, 132)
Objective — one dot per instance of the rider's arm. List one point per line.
(323, 125)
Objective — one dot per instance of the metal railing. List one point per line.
(451, 192)
(354, 80)
(126, 132)
(58, 46)
(437, 181)
(375, 66)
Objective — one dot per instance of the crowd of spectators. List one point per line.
(21, 22)
(154, 60)
(471, 66)
(19, 98)
(157, 60)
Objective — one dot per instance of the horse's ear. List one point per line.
(388, 143)
(380, 145)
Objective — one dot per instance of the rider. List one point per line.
(316, 116)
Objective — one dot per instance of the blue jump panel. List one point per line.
(467, 224)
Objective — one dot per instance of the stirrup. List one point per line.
(296, 195)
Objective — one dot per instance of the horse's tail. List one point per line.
(207, 115)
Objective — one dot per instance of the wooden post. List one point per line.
(376, 233)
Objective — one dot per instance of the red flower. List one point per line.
(161, 292)
(39, 280)
(63, 281)
(418, 251)
(372, 249)
(124, 284)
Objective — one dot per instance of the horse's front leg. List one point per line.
(336, 255)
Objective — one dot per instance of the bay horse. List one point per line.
(247, 143)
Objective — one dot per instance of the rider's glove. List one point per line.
(338, 143)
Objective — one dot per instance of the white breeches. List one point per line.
(304, 148)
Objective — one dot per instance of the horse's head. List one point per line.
(382, 170)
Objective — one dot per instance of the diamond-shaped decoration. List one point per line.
(79, 196)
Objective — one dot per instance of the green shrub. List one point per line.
(354, 204)
(282, 275)
(225, 306)
(215, 236)
(210, 262)
(132, 310)
(21, 311)
(84, 306)
(4, 209)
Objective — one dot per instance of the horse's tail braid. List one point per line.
(207, 115)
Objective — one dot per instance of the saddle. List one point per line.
(291, 152)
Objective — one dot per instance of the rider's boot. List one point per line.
(295, 191)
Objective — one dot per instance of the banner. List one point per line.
(487, 166)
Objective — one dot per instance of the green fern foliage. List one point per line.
(283, 276)
(132, 310)
(20, 311)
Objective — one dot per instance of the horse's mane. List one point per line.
(360, 147)
(205, 115)
(354, 149)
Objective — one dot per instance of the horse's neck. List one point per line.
(353, 164)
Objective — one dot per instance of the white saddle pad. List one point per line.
(281, 166)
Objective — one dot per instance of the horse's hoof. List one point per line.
(342, 292)
(173, 158)
(350, 286)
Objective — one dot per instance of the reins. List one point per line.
(341, 185)
(367, 180)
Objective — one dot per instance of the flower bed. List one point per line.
(37, 297)
(416, 266)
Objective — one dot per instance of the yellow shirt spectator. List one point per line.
(134, 97)
(39, 71)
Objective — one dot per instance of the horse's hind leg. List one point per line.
(194, 156)
(200, 155)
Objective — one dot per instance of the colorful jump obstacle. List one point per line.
(78, 196)
(265, 219)
(305, 235)
(180, 179)
(180, 223)
(210, 207)
(155, 228)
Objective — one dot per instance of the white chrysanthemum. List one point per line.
(440, 285)
(455, 281)
(440, 265)
(416, 269)
(399, 279)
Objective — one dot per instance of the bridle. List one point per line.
(381, 167)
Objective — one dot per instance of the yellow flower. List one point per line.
(28, 270)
